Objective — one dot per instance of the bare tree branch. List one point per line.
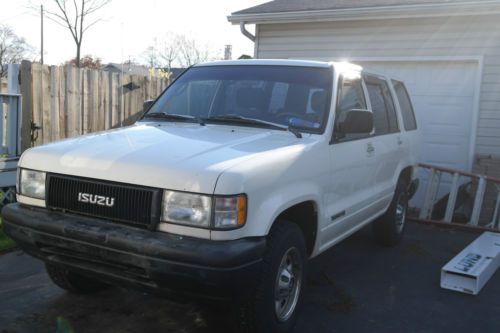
(74, 17)
(180, 50)
(91, 24)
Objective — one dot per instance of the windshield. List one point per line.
(289, 96)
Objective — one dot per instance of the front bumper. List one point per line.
(151, 260)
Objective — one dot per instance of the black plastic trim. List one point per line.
(137, 257)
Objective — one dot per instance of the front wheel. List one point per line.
(279, 291)
(388, 229)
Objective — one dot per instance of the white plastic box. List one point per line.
(469, 271)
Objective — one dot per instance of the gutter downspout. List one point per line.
(245, 32)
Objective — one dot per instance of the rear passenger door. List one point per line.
(410, 136)
(387, 140)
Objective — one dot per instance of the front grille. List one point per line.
(135, 205)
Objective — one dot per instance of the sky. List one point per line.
(128, 27)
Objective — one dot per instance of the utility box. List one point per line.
(469, 271)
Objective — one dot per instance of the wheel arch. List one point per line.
(305, 215)
(406, 174)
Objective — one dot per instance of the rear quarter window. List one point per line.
(407, 111)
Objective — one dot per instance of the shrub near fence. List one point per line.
(68, 101)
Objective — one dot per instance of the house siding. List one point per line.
(430, 37)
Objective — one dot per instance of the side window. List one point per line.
(391, 109)
(405, 104)
(384, 112)
(350, 96)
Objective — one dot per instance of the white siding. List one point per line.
(457, 36)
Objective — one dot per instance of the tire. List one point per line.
(73, 282)
(389, 228)
(264, 314)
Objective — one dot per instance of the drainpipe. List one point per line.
(245, 32)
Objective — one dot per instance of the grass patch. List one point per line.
(5, 242)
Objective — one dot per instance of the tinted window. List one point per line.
(351, 97)
(196, 98)
(384, 112)
(285, 95)
(405, 105)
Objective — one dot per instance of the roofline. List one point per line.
(267, 62)
(371, 13)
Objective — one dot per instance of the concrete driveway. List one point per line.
(355, 287)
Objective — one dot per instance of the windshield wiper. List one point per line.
(233, 118)
(170, 116)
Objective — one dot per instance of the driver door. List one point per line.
(352, 165)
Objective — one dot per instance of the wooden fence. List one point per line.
(66, 101)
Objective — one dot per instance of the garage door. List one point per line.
(443, 96)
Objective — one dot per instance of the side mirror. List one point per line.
(356, 122)
(147, 104)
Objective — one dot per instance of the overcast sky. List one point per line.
(129, 27)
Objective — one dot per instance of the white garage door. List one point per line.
(443, 97)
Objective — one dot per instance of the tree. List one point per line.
(151, 57)
(192, 52)
(179, 50)
(13, 49)
(169, 51)
(75, 17)
(87, 62)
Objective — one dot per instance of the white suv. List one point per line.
(237, 174)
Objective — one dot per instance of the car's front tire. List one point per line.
(73, 282)
(389, 228)
(280, 286)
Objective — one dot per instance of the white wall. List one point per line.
(444, 37)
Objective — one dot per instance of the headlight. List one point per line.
(230, 212)
(186, 208)
(32, 184)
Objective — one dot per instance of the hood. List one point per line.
(177, 156)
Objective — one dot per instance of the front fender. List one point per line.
(274, 182)
(266, 206)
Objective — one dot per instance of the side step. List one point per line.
(469, 271)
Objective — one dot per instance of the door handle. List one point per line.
(369, 148)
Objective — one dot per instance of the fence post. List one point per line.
(27, 104)
(45, 116)
(54, 103)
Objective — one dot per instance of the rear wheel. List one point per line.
(389, 228)
(73, 282)
(279, 291)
